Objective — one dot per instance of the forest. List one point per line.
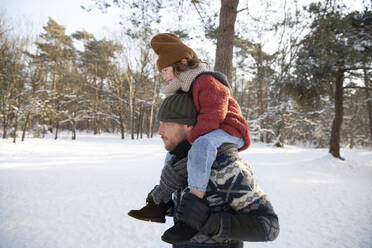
(301, 73)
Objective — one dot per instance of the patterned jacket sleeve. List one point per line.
(252, 217)
(249, 226)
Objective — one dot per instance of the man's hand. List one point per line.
(196, 213)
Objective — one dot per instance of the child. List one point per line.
(219, 121)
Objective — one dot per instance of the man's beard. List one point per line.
(166, 145)
(171, 142)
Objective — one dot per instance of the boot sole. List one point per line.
(157, 220)
(178, 234)
(173, 242)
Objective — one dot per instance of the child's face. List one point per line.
(168, 74)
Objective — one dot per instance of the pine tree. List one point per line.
(55, 52)
(327, 54)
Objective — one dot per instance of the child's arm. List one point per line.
(211, 100)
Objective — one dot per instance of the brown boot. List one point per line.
(179, 233)
(152, 211)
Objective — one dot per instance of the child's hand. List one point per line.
(198, 193)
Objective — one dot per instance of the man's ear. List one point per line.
(190, 126)
(184, 61)
(188, 129)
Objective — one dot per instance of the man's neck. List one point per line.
(181, 150)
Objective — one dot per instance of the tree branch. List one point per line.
(197, 10)
(241, 10)
(357, 87)
(357, 68)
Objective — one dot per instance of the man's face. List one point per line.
(173, 133)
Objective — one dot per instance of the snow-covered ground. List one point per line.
(70, 194)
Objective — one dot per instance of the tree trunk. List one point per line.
(53, 117)
(225, 37)
(334, 146)
(132, 117)
(57, 129)
(261, 111)
(242, 93)
(351, 128)
(369, 103)
(121, 125)
(151, 118)
(57, 121)
(5, 113)
(153, 127)
(95, 129)
(139, 115)
(129, 79)
(74, 124)
(351, 142)
(5, 125)
(247, 102)
(15, 128)
(282, 128)
(143, 117)
(25, 126)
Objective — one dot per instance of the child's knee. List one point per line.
(202, 142)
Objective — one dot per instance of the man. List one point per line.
(234, 208)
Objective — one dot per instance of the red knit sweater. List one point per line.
(217, 109)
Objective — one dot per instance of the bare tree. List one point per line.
(225, 37)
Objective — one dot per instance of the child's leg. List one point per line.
(152, 211)
(200, 159)
(158, 201)
(201, 156)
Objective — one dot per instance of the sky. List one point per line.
(29, 16)
(68, 13)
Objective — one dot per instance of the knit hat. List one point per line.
(178, 108)
(170, 50)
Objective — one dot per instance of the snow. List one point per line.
(64, 193)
